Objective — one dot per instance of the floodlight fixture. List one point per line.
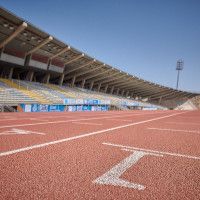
(179, 67)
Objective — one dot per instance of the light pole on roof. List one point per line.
(179, 67)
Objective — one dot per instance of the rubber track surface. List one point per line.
(65, 155)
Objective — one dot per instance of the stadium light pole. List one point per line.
(179, 67)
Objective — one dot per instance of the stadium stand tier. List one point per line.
(15, 92)
(191, 104)
(38, 68)
(196, 101)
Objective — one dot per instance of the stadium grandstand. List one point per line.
(38, 69)
(142, 141)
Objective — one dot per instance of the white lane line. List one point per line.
(38, 119)
(15, 131)
(129, 148)
(184, 123)
(63, 121)
(9, 119)
(83, 135)
(174, 130)
(24, 117)
(87, 123)
(82, 115)
(121, 120)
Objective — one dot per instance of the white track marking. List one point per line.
(184, 123)
(66, 116)
(84, 135)
(112, 177)
(38, 119)
(121, 120)
(174, 130)
(9, 119)
(15, 131)
(64, 121)
(129, 148)
(85, 123)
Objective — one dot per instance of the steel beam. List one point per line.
(47, 40)
(113, 79)
(93, 75)
(14, 34)
(60, 52)
(104, 77)
(74, 59)
(84, 72)
(80, 67)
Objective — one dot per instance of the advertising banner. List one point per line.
(79, 101)
(104, 102)
(42, 108)
(69, 101)
(34, 108)
(96, 102)
(79, 108)
(27, 108)
(86, 108)
(104, 108)
(56, 108)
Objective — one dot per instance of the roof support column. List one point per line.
(1, 52)
(127, 93)
(122, 93)
(83, 83)
(131, 95)
(27, 59)
(48, 77)
(91, 85)
(29, 76)
(160, 100)
(117, 92)
(99, 87)
(73, 81)
(61, 79)
(106, 88)
(11, 73)
(112, 89)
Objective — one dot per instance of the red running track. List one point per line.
(100, 155)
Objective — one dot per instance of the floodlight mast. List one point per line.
(179, 67)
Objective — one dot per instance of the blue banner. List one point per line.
(86, 108)
(56, 108)
(42, 108)
(61, 108)
(72, 101)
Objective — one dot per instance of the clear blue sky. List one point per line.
(142, 37)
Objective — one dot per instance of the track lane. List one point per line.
(65, 129)
(66, 171)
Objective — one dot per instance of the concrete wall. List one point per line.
(12, 59)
